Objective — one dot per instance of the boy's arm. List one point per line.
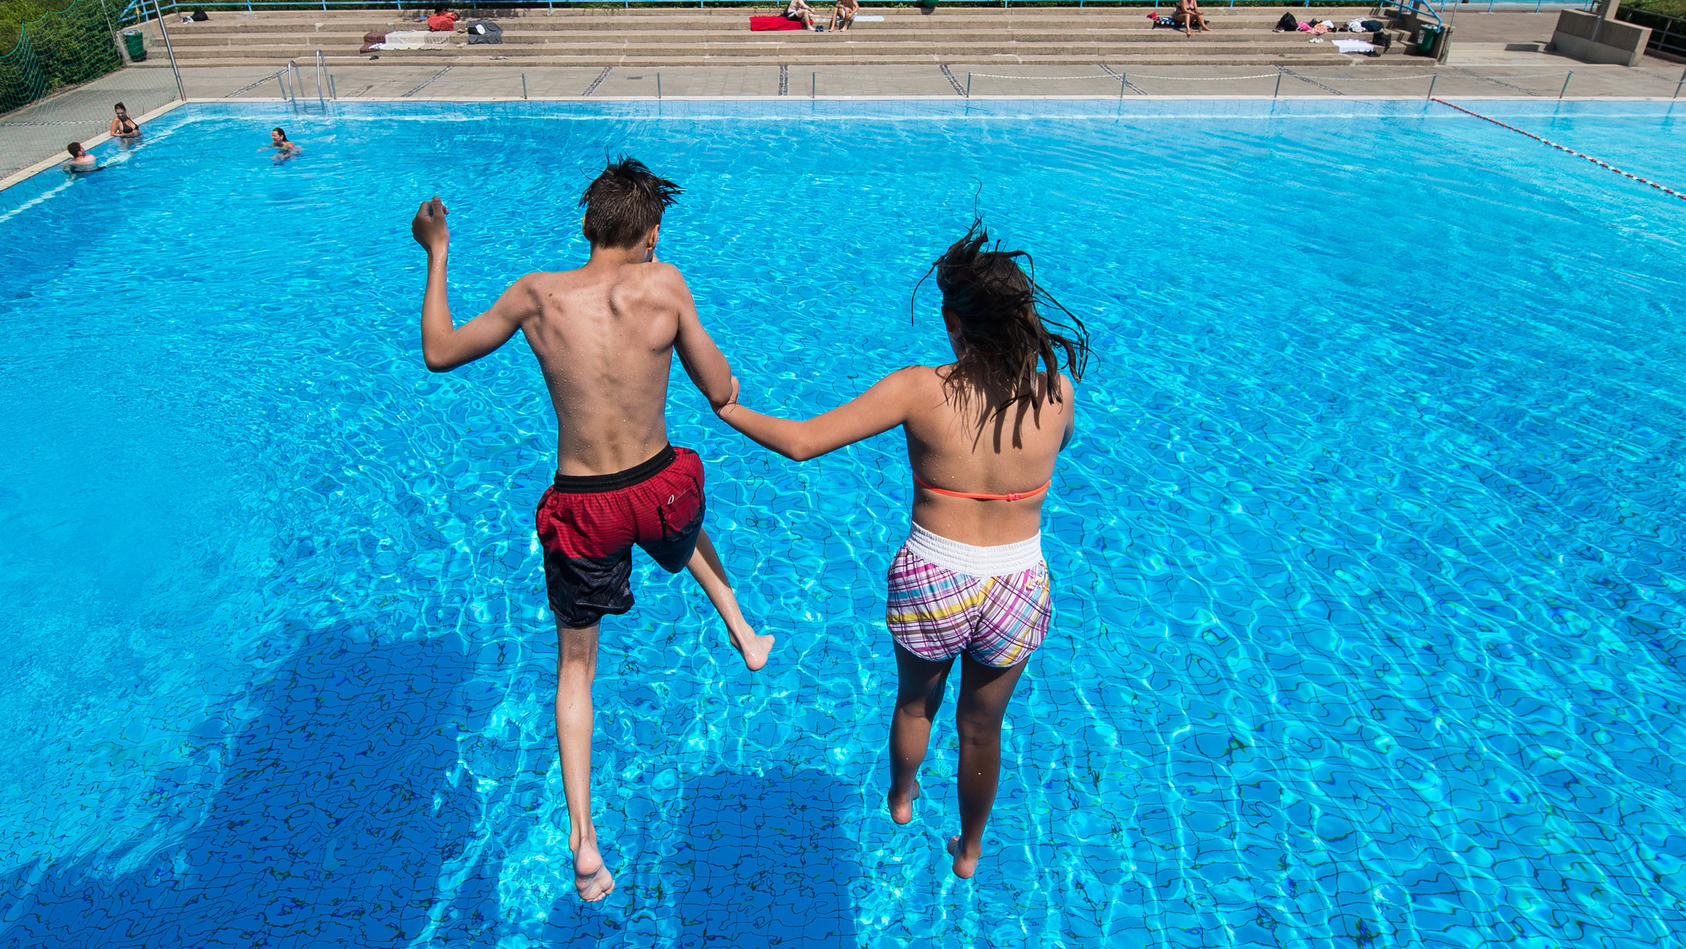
(702, 359)
(878, 409)
(444, 345)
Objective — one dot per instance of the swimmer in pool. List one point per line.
(123, 127)
(983, 433)
(605, 335)
(80, 161)
(284, 147)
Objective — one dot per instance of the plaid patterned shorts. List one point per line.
(936, 612)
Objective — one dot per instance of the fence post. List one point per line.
(169, 50)
(1123, 83)
(968, 85)
(1278, 83)
(523, 85)
(1431, 81)
(331, 93)
(1565, 89)
(813, 84)
(658, 85)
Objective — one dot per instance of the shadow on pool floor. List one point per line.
(331, 824)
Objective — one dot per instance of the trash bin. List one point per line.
(135, 43)
(1429, 44)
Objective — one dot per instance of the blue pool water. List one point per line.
(1368, 553)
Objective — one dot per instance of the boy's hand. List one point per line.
(429, 227)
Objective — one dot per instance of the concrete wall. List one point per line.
(1585, 37)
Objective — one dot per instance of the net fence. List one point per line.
(63, 73)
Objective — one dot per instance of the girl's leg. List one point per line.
(919, 693)
(984, 692)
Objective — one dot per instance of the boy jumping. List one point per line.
(604, 335)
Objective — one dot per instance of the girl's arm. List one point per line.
(878, 409)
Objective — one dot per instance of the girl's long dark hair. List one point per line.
(1004, 334)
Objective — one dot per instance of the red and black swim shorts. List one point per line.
(588, 524)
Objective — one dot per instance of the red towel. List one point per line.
(763, 24)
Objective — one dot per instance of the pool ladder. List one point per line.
(292, 83)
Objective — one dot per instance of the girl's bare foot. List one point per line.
(591, 877)
(901, 811)
(965, 864)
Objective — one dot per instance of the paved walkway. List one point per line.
(1494, 55)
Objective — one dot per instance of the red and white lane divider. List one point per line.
(1562, 148)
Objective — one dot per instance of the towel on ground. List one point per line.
(765, 24)
(413, 39)
(1355, 46)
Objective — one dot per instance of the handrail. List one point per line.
(1419, 7)
(319, 70)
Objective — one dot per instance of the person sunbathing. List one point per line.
(799, 11)
(442, 20)
(1189, 16)
(843, 15)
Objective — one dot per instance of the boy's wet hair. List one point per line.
(75, 149)
(624, 203)
(1003, 332)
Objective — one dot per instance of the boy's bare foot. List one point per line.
(964, 864)
(591, 877)
(753, 646)
(902, 811)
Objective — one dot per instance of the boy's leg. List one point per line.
(984, 693)
(576, 667)
(919, 693)
(710, 574)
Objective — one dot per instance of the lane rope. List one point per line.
(1563, 148)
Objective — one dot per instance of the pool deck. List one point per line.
(1494, 55)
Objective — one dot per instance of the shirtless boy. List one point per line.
(605, 335)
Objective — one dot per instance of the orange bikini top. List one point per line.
(1015, 496)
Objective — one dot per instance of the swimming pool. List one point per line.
(1367, 555)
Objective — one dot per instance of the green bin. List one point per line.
(135, 43)
(1430, 43)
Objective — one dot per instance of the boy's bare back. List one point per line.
(604, 335)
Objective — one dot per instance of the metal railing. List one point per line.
(1531, 6)
(1421, 8)
(1668, 33)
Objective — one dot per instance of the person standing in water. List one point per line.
(970, 583)
(122, 126)
(605, 335)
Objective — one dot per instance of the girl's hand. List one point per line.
(731, 400)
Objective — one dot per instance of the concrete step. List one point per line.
(722, 57)
(631, 59)
(718, 36)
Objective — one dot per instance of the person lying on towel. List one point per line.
(442, 20)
